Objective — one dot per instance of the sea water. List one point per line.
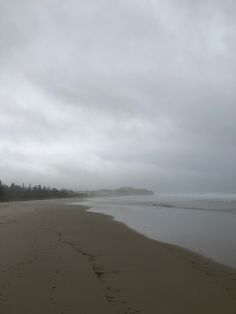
(203, 223)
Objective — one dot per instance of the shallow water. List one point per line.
(205, 224)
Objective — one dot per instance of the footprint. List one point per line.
(109, 298)
(98, 273)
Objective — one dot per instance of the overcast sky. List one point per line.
(109, 93)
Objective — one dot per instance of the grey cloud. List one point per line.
(101, 93)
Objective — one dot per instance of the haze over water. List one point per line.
(205, 224)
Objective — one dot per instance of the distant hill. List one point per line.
(119, 192)
(15, 192)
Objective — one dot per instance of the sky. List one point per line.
(102, 93)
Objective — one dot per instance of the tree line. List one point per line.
(15, 192)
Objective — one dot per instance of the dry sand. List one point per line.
(60, 259)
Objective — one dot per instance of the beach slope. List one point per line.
(60, 259)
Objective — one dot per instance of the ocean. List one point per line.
(205, 224)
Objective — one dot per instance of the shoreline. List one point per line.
(178, 247)
(210, 234)
(59, 258)
(191, 251)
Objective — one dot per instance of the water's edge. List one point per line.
(209, 233)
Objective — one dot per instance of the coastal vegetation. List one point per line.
(16, 192)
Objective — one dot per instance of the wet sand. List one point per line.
(60, 259)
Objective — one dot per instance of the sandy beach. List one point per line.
(60, 259)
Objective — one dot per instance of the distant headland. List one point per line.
(119, 192)
(15, 192)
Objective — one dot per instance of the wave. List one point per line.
(166, 205)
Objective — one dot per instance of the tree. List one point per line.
(21, 192)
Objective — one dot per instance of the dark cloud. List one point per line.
(101, 93)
